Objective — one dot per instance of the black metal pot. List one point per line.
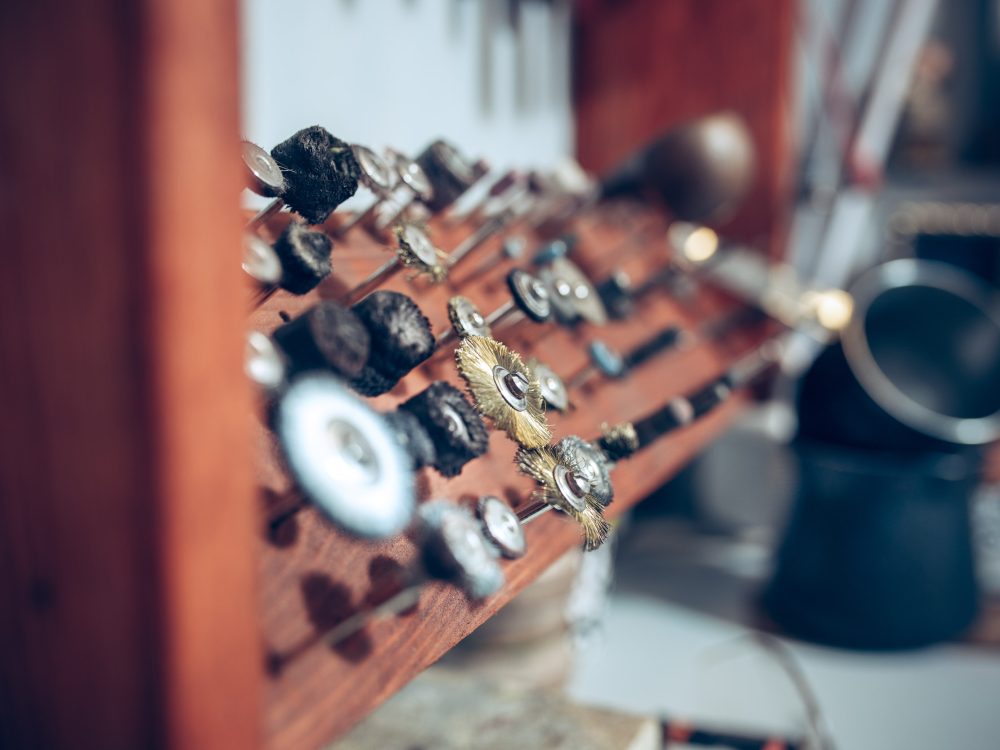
(878, 552)
(918, 367)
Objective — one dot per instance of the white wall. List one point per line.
(403, 72)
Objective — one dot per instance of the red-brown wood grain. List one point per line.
(126, 503)
(641, 66)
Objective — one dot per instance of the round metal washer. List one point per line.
(262, 361)
(591, 463)
(260, 260)
(573, 294)
(530, 295)
(466, 318)
(501, 526)
(512, 386)
(376, 173)
(413, 176)
(553, 388)
(263, 171)
(572, 486)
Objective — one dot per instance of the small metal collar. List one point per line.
(530, 295)
(376, 173)
(466, 319)
(572, 487)
(553, 388)
(413, 176)
(501, 526)
(513, 386)
(574, 296)
(260, 260)
(265, 175)
(262, 362)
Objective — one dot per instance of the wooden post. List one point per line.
(127, 515)
(642, 66)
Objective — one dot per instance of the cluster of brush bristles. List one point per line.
(540, 464)
(436, 271)
(477, 357)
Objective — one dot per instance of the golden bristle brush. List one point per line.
(561, 485)
(504, 389)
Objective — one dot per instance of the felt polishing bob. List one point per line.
(344, 457)
(504, 390)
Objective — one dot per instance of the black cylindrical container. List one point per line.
(878, 552)
(918, 367)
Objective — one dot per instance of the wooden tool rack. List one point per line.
(313, 576)
(143, 579)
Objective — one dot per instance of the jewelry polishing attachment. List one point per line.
(320, 172)
(604, 359)
(466, 320)
(554, 391)
(328, 337)
(529, 298)
(344, 457)
(400, 338)
(413, 186)
(511, 182)
(623, 440)
(452, 424)
(439, 428)
(450, 173)
(504, 390)
(494, 223)
(414, 251)
(573, 295)
(591, 463)
(297, 262)
(378, 176)
(501, 526)
(563, 484)
(262, 174)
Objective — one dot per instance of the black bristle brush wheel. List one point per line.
(400, 336)
(453, 424)
(413, 437)
(321, 172)
(325, 337)
(305, 257)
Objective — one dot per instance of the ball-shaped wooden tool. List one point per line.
(703, 169)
